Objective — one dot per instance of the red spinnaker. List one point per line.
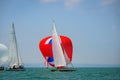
(45, 46)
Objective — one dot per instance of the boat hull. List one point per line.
(15, 69)
(1, 69)
(63, 70)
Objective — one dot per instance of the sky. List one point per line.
(92, 25)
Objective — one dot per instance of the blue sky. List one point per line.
(93, 26)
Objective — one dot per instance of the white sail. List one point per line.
(14, 58)
(66, 58)
(58, 55)
(3, 54)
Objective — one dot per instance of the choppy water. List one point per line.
(46, 74)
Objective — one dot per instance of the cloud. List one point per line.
(71, 3)
(67, 3)
(48, 1)
(108, 2)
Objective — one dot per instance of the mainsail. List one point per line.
(14, 57)
(58, 55)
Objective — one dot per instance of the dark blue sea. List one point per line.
(46, 74)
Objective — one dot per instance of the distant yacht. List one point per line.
(14, 61)
(3, 56)
(1, 68)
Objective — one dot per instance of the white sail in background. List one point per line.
(3, 54)
(58, 55)
(14, 58)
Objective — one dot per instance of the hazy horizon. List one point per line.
(77, 65)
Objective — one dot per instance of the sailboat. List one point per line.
(57, 51)
(15, 62)
(3, 56)
(1, 68)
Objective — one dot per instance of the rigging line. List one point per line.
(71, 64)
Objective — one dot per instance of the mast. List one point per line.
(57, 49)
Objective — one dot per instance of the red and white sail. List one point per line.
(57, 50)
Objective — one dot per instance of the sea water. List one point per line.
(46, 74)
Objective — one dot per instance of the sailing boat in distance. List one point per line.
(14, 61)
(3, 56)
(57, 51)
